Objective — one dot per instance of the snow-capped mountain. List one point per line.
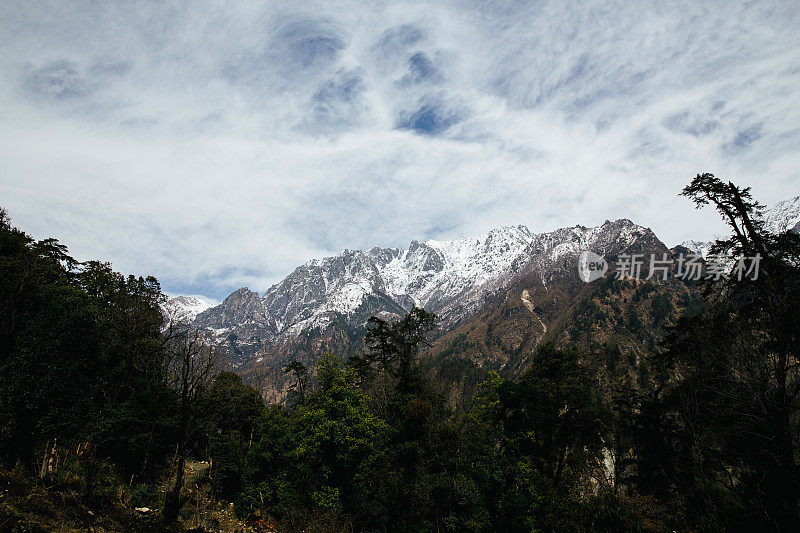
(700, 248)
(444, 275)
(450, 278)
(783, 216)
(186, 308)
(447, 277)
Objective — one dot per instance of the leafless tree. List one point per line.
(191, 365)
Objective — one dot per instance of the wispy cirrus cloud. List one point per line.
(218, 146)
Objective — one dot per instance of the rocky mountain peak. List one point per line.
(185, 308)
(783, 216)
(241, 307)
(382, 256)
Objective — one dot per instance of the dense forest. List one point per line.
(105, 408)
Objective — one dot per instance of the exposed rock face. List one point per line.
(239, 308)
(240, 323)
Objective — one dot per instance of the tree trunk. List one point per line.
(787, 492)
(45, 460)
(172, 500)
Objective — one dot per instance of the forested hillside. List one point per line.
(620, 405)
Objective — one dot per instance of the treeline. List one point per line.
(704, 439)
(82, 361)
(98, 398)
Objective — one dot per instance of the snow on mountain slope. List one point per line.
(553, 246)
(432, 272)
(323, 304)
(783, 216)
(700, 248)
(186, 308)
(314, 291)
(356, 284)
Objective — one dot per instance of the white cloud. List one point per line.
(222, 146)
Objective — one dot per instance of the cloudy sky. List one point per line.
(221, 145)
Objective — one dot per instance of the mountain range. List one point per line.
(324, 304)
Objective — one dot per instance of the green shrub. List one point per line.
(144, 495)
(94, 480)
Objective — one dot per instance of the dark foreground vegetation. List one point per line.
(101, 408)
